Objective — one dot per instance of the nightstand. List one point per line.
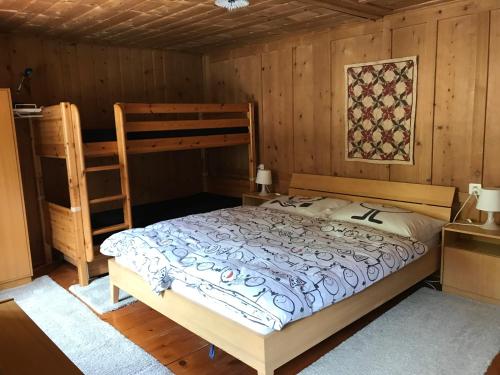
(254, 199)
(470, 262)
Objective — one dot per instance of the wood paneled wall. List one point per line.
(298, 84)
(95, 77)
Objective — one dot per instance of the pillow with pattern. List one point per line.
(390, 219)
(306, 206)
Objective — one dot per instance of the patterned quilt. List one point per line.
(271, 267)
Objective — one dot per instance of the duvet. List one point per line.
(268, 266)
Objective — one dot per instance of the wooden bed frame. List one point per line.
(265, 353)
(58, 134)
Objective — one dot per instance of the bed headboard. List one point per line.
(431, 200)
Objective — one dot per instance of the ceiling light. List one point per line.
(232, 4)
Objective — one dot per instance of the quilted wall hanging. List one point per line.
(380, 111)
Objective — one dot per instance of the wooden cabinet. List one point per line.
(471, 262)
(15, 258)
(255, 199)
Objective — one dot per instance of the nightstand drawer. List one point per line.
(471, 273)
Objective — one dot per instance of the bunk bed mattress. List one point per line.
(261, 267)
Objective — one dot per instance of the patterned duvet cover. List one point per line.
(268, 266)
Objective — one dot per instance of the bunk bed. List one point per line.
(140, 128)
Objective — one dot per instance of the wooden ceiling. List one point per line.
(182, 24)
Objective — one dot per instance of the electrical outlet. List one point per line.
(475, 189)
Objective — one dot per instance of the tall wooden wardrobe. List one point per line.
(15, 258)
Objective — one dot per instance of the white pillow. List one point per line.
(390, 219)
(306, 206)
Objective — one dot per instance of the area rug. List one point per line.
(429, 333)
(97, 296)
(91, 344)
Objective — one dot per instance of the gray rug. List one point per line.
(428, 333)
(97, 296)
(93, 345)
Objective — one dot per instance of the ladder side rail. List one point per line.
(74, 193)
(252, 155)
(121, 143)
(82, 182)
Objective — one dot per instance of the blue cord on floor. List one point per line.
(211, 352)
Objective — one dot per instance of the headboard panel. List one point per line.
(432, 200)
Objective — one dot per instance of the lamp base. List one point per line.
(263, 190)
(490, 223)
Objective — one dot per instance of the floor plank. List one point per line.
(187, 354)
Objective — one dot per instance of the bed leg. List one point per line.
(114, 292)
(83, 273)
(265, 370)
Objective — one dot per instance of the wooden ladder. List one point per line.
(86, 203)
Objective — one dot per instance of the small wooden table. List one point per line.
(25, 349)
(255, 199)
(470, 264)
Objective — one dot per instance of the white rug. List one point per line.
(97, 296)
(91, 344)
(428, 333)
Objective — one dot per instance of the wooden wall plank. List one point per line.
(420, 41)
(88, 104)
(460, 94)
(159, 94)
(491, 175)
(358, 49)
(104, 106)
(312, 108)
(277, 116)
(71, 76)
(113, 74)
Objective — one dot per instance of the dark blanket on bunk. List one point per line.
(108, 135)
(147, 214)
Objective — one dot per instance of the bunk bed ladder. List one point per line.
(123, 196)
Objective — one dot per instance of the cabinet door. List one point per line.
(15, 259)
(472, 272)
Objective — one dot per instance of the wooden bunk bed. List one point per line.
(267, 352)
(140, 128)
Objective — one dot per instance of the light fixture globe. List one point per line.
(232, 4)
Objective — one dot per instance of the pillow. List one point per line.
(390, 219)
(306, 206)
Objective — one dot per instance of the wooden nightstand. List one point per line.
(254, 199)
(470, 262)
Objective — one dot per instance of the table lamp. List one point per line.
(489, 201)
(265, 179)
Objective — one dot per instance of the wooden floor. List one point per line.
(186, 353)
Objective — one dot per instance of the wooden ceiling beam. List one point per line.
(351, 7)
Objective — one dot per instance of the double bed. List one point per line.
(265, 285)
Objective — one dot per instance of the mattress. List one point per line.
(261, 267)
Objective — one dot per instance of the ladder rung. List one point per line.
(112, 228)
(101, 168)
(112, 198)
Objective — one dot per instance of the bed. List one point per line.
(266, 350)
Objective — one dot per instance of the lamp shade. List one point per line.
(264, 177)
(489, 200)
